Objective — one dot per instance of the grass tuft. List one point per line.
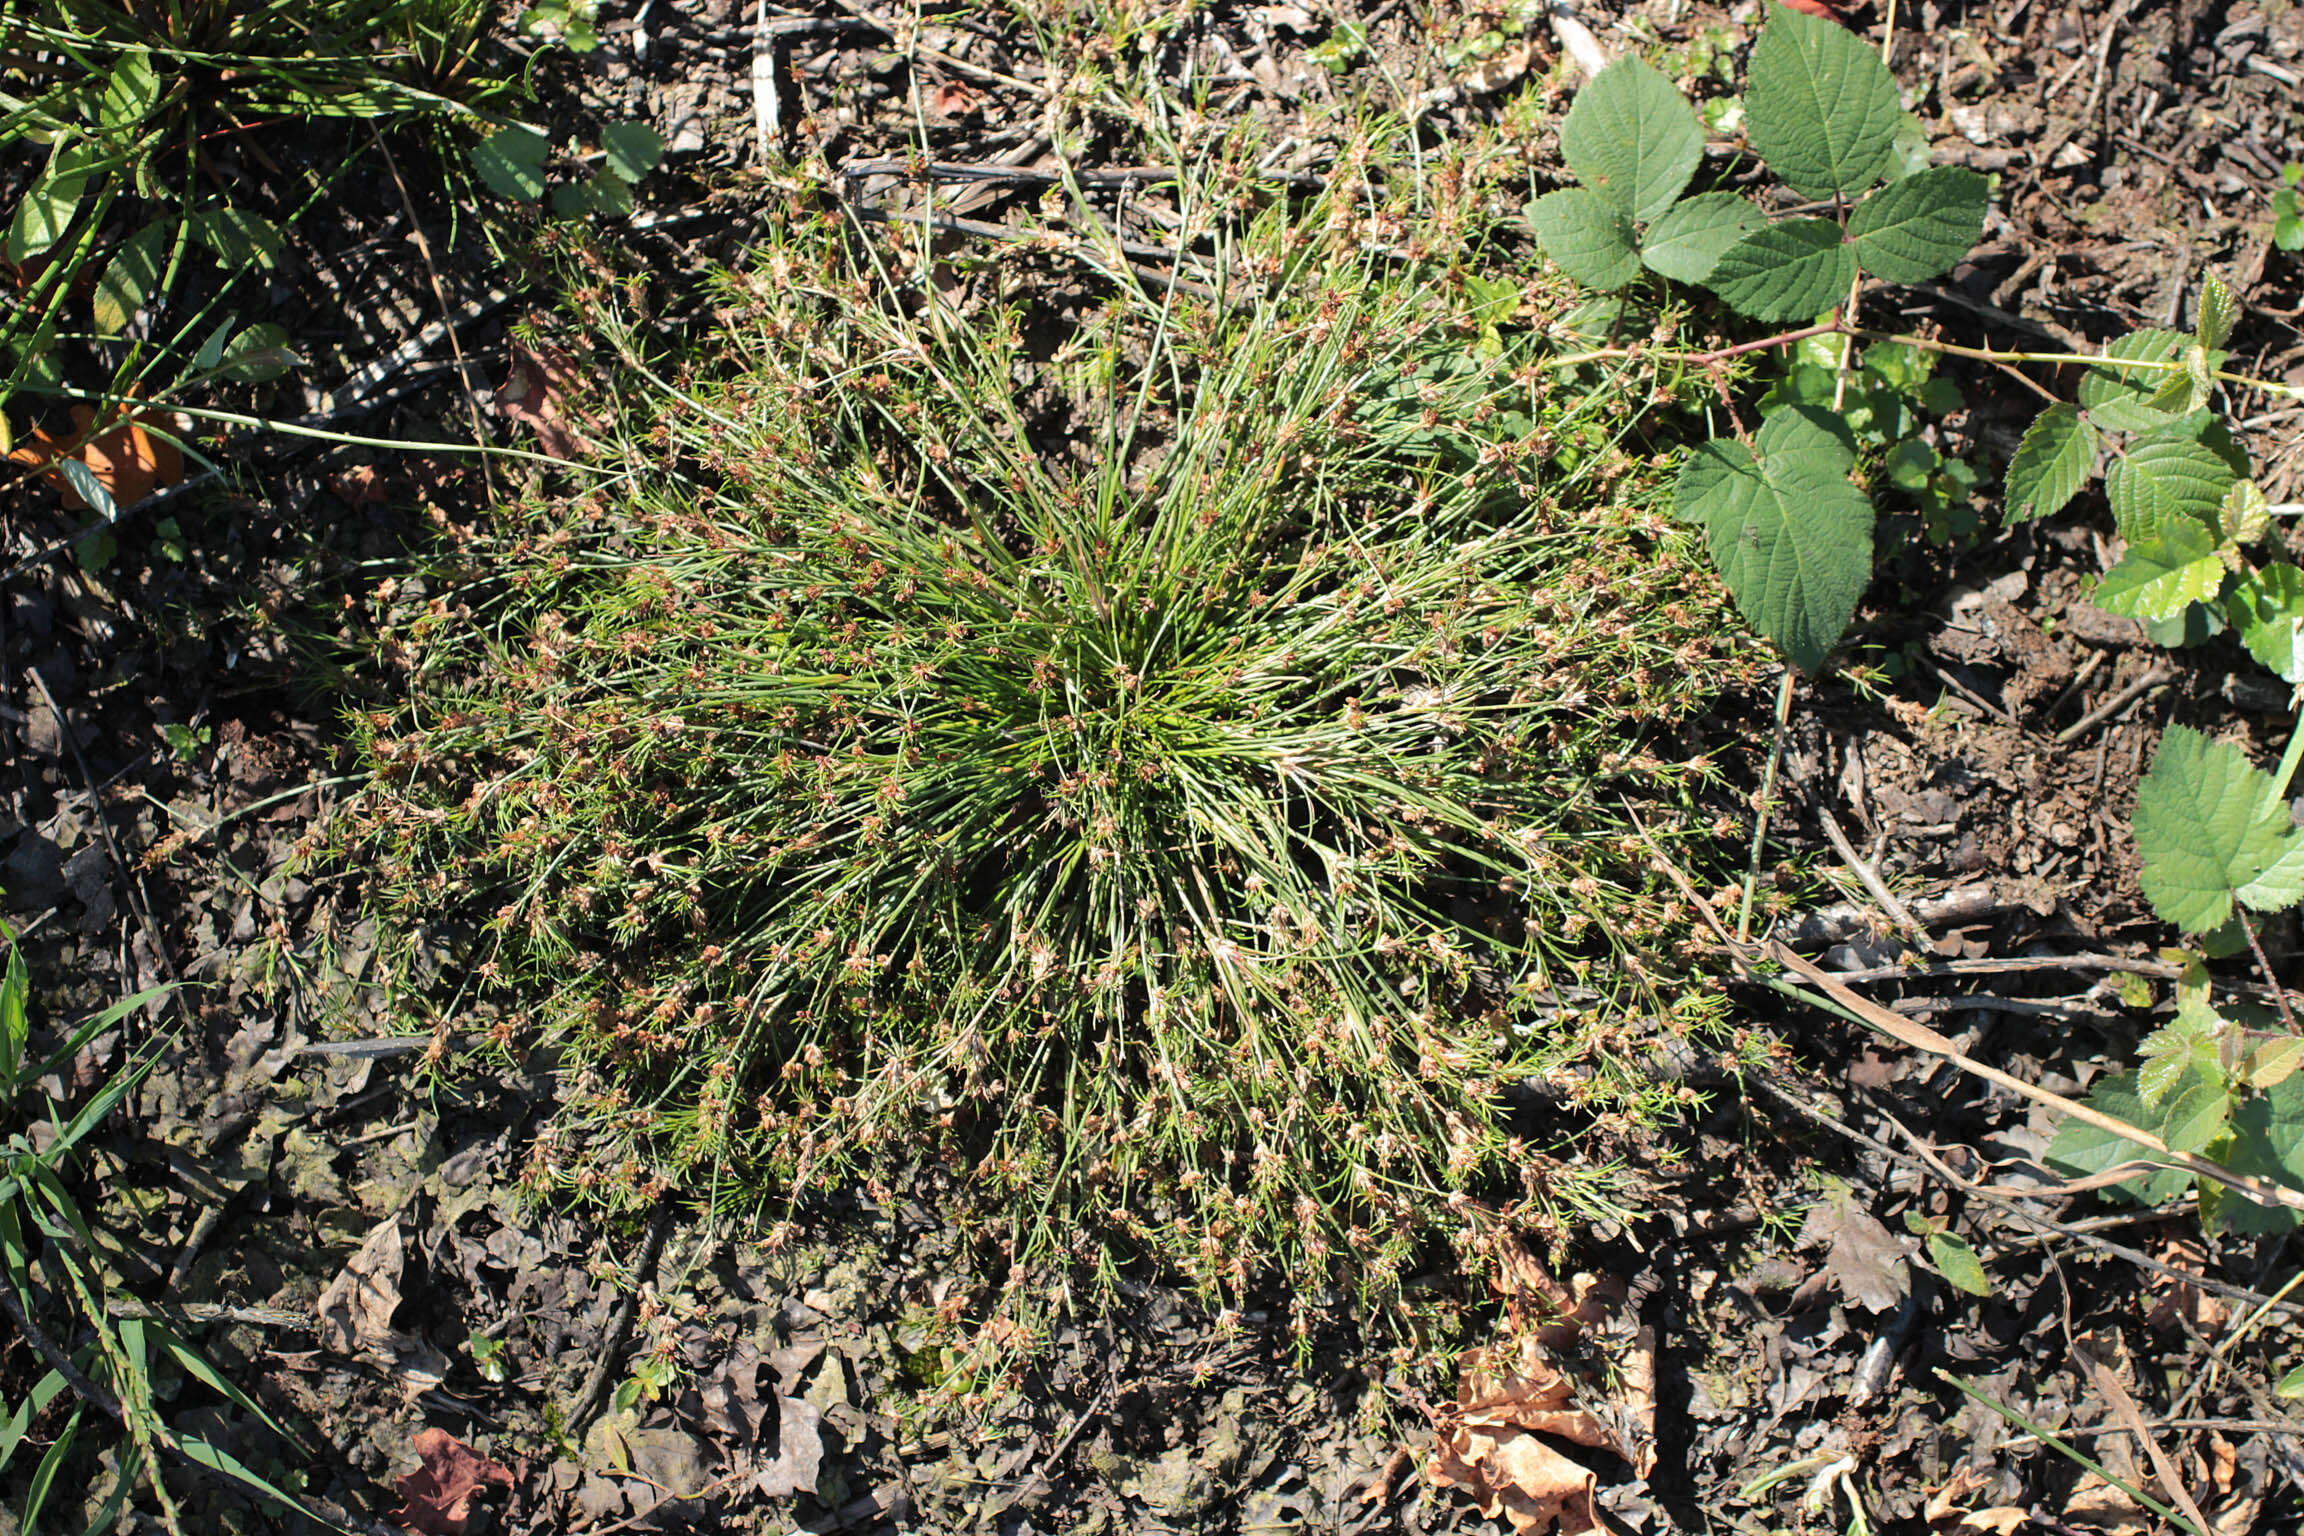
(1149, 773)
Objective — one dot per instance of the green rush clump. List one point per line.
(1153, 777)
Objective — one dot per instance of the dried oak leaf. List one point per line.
(436, 1498)
(1510, 1397)
(799, 1450)
(356, 1309)
(535, 393)
(128, 461)
(1863, 1258)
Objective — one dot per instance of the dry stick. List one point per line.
(1871, 878)
(1767, 798)
(2109, 1386)
(2113, 705)
(612, 1347)
(2271, 977)
(1921, 1038)
(440, 296)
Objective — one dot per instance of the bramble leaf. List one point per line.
(2157, 578)
(130, 276)
(634, 149)
(1911, 230)
(2267, 607)
(1789, 533)
(2218, 312)
(1686, 243)
(1793, 270)
(2267, 1141)
(1632, 139)
(2163, 481)
(2209, 828)
(2082, 1149)
(511, 162)
(1820, 106)
(2055, 459)
(2119, 399)
(1588, 237)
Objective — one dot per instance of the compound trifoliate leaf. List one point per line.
(1819, 106)
(1688, 241)
(131, 276)
(2119, 399)
(1588, 236)
(511, 162)
(2218, 310)
(2055, 459)
(1793, 270)
(1911, 230)
(2209, 828)
(2267, 608)
(1791, 536)
(1632, 139)
(2162, 481)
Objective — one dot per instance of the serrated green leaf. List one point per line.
(1789, 534)
(2055, 459)
(2119, 398)
(2189, 1042)
(2267, 608)
(2267, 1141)
(2275, 1061)
(49, 204)
(1688, 241)
(1632, 139)
(2209, 828)
(2218, 311)
(2165, 481)
(130, 277)
(2081, 1149)
(1819, 105)
(2291, 1385)
(1587, 236)
(2196, 1113)
(2245, 515)
(2156, 580)
(239, 237)
(1911, 230)
(511, 162)
(1793, 270)
(1958, 1264)
(634, 149)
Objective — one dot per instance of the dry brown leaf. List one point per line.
(356, 1309)
(952, 101)
(535, 394)
(1999, 1520)
(799, 1450)
(128, 461)
(1500, 69)
(2100, 1506)
(1510, 1395)
(1512, 1474)
(436, 1498)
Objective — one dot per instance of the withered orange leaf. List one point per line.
(128, 461)
(436, 1498)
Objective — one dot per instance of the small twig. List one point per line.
(2108, 1386)
(1767, 800)
(2271, 977)
(2088, 670)
(1871, 879)
(2113, 705)
(595, 1393)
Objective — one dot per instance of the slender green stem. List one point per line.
(1767, 800)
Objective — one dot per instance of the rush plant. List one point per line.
(1167, 839)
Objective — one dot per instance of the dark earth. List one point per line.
(334, 1219)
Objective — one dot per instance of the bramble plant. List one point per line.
(1790, 527)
